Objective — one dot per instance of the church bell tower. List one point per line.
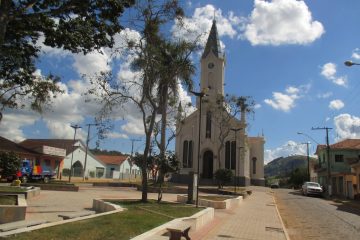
(212, 66)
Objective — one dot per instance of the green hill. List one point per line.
(284, 165)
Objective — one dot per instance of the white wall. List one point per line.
(91, 162)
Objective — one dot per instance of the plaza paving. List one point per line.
(255, 218)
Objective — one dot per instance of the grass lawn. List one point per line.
(11, 189)
(8, 200)
(139, 218)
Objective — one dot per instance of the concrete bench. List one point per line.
(76, 214)
(20, 224)
(179, 230)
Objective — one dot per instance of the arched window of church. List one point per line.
(227, 155)
(187, 154)
(208, 125)
(233, 155)
(254, 165)
(230, 155)
(190, 155)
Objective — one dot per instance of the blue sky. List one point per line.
(287, 54)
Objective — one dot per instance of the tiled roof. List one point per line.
(58, 143)
(347, 144)
(9, 146)
(112, 159)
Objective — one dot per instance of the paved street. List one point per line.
(316, 218)
(256, 218)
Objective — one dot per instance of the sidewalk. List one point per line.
(255, 218)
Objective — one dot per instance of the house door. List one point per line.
(208, 165)
(349, 187)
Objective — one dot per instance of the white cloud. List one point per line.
(347, 126)
(356, 54)
(286, 101)
(91, 63)
(280, 22)
(336, 104)
(257, 106)
(13, 122)
(325, 95)
(114, 135)
(289, 148)
(328, 70)
(199, 25)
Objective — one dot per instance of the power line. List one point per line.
(328, 155)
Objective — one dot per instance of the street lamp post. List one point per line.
(200, 95)
(75, 127)
(350, 63)
(328, 156)
(236, 165)
(87, 146)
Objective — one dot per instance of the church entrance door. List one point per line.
(208, 164)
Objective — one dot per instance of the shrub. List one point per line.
(66, 172)
(223, 176)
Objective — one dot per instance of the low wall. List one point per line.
(101, 205)
(165, 190)
(29, 193)
(53, 187)
(225, 204)
(9, 213)
(196, 221)
(114, 184)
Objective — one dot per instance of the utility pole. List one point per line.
(75, 127)
(308, 160)
(328, 156)
(87, 146)
(236, 165)
(132, 151)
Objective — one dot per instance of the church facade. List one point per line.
(242, 154)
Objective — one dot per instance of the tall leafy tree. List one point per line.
(142, 91)
(77, 26)
(9, 163)
(175, 66)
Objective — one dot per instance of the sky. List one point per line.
(287, 54)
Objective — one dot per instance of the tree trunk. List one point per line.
(4, 18)
(164, 102)
(148, 134)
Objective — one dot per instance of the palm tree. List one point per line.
(175, 65)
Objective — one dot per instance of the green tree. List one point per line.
(297, 177)
(223, 176)
(175, 64)
(9, 163)
(151, 15)
(77, 26)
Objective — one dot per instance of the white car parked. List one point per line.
(311, 188)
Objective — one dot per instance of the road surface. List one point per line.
(315, 217)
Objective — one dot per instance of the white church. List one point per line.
(242, 154)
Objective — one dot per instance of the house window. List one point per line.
(187, 154)
(99, 172)
(323, 159)
(339, 158)
(254, 165)
(208, 125)
(230, 155)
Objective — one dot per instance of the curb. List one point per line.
(282, 223)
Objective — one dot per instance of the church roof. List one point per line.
(213, 43)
